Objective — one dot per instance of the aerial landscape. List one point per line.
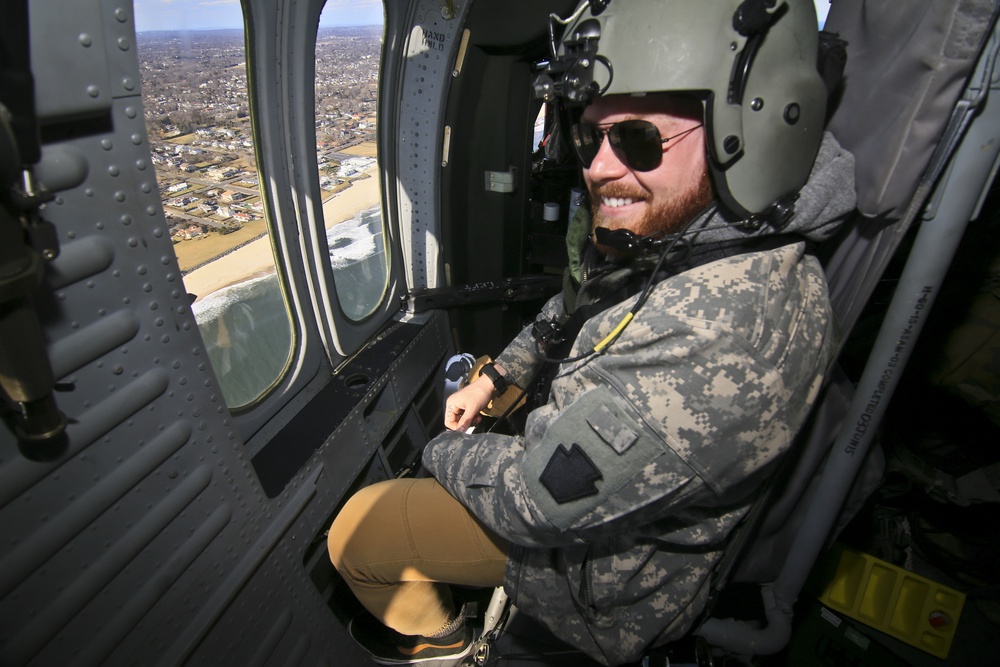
(198, 120)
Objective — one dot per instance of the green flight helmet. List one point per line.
(751, 62)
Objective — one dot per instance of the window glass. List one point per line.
(348, 48)
(538, 130)
(822, 9)
(194, 80)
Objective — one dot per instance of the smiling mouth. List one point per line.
(617, 202)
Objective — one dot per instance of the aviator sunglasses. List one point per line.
(637, 143)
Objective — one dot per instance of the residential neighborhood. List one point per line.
(198, 117)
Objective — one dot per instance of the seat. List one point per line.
(917, 115)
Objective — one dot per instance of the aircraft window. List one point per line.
(194, 82)
(822, 9)
(538, 130)
(348, 50)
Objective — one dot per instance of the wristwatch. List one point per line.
(500, 382)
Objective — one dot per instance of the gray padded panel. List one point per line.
(907, 64)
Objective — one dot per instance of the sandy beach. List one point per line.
(256, 259)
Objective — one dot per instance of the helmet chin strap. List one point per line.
(626, 241)
(633, 245)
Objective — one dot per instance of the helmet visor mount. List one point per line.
(637, 143)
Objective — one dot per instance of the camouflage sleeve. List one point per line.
(520, 358)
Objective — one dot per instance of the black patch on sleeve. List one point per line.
(570, 475)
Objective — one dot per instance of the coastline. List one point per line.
(255, 259)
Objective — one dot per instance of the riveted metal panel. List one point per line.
(431, 51)
(70, 41)
(127, 530)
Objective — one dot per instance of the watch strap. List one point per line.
(500, 382)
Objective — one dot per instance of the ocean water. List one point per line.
(247, 328)
(357, 255)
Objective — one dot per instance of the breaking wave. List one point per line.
(356, 239)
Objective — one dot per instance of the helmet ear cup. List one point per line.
(782, 112)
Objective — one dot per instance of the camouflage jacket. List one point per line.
(620, 496)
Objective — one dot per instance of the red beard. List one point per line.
(664, 218)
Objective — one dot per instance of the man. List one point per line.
(698, 333)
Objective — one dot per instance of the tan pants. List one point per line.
(399, 543)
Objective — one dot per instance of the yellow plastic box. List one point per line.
(901, 604)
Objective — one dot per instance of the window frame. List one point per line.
(281, 62)
(341, 335)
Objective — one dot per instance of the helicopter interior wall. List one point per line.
(511, 26)
(491, 110)
(484, 231)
